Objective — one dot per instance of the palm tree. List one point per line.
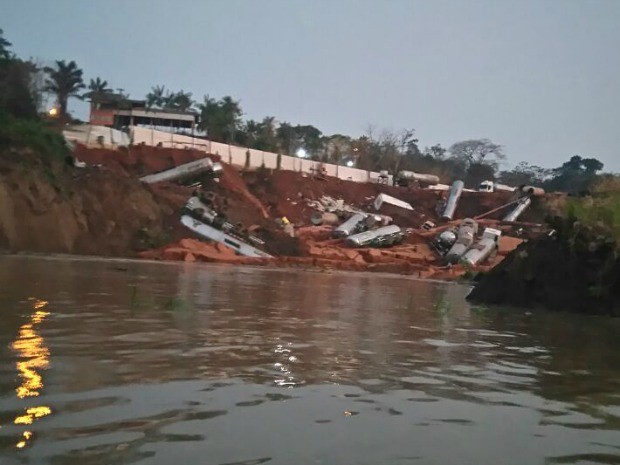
(183, 100)
(251, 132)
(180, 100)
(156, 97)
(168, 101)
(64, 81)
(220, 118)
(96, 89)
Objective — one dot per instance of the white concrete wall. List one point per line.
(96, 136)
(235, 155)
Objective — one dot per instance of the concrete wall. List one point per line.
(96, 136)
(235, 155)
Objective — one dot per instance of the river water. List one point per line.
(118, 362)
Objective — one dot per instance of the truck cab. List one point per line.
(486, 186)
(492, 234)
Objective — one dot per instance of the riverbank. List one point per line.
(103, 209)
(575, 269)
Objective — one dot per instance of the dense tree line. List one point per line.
(23, 83)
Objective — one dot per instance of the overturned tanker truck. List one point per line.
(465, 237)
(209, 224)
(204, 166)
(385, 236)
(482, 249)
(409, 178)
(454, 196)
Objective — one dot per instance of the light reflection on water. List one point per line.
(156, 363)
(33, 357)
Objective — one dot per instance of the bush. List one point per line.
(600, 211)
(34, 134)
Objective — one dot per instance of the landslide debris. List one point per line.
(104, 209)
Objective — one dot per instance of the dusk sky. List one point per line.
(540, 77)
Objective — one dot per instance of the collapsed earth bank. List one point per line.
(103, 209)
(575, 269)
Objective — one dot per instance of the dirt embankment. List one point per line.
(138, 160)
(105, 210)
(46, 206)
(576, 269)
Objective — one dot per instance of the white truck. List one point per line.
(482, 249)
(491, 186)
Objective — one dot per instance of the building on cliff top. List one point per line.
(116, 111)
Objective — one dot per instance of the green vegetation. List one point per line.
(96, 89)
(34, 134)
(22, 83)
(577, 268)
(65, 80)
(20, 126)
(600, 211)
(159, 97)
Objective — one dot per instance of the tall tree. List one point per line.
(18, 90)
(221, 119)
(97, 88)
(65, 80)
(249, 134)
(389, 150)
(155, 98)
(310, 139)
(576, 175)
(524, 173)
(477, 151)
(436, 152)
(5, 54)
(182, 101)
(478, 172)
(168, 101)
(286, 138)
(338, 148)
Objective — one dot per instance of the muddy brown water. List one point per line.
(118, 362)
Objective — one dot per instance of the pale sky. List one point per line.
(540, 77)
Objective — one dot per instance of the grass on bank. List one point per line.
(599, 211)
